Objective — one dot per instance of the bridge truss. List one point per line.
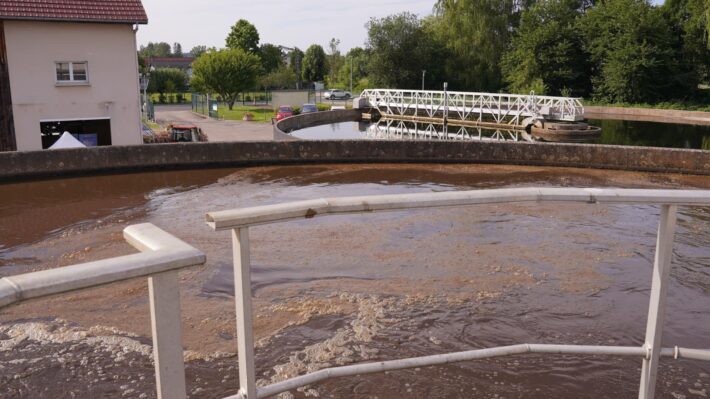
(497, 108)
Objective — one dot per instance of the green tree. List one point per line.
(546, 54)
(314, 64)
(295, 63)
(335, 62)
(197, 51)
(271, 57)
(161, 49)
(243, 35)
(225, 72)
(167, 80)
(400, 48)
(177, 50)
(357, 58)
(282, 78)
(689, 21)
(475, 34)
(631, 48)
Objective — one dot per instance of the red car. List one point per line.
(284, 112)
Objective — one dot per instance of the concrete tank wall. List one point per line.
(36, 164)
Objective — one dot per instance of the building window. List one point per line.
(72, 73)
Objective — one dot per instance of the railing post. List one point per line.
(167, 335)
(242, 296)
(657, 303)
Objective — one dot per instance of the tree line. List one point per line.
(607, 50)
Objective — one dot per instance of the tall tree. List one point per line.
(166, 80)
(357, 59)
(295, 61)
(400, 49)
(314, 64)
(335, 61)
(546, 54)
(197, 51)
(225, 72)
(689, 20)
(631, 48)
(160, 49)
(476, 33)
(271, 57)
(243, 35)
(177, 50)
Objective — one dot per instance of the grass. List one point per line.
(156, 127)
(676, 105)
(262, 114)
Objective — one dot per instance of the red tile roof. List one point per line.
(106, 11)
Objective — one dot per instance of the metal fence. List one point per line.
(239, 221)
(204, 105)
(511, 109)
(163, 256)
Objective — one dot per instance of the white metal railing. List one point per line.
(239, 221)
(389, 129)
(503, 109)
(161, 258)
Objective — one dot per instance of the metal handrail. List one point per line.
(162, 256)
(504, 108)
(239, 221)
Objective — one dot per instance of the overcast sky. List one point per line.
(282, 22)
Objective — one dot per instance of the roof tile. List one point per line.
(109, 11)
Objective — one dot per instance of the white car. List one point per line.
(337, 95)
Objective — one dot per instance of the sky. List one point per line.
(281, 22)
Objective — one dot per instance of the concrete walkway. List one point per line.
(215, 130)
(648, 114)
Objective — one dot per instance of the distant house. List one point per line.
(183, 63)
(69, 65)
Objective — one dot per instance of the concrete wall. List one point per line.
(35, 164)
(648, 114)
(283, 127)
(110, 50)
(292, 98)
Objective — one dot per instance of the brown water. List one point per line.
(354, 288)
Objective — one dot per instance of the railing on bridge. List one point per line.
(391, 129)
(497, 108)
(164, 255)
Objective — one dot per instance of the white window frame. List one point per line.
(71, 81)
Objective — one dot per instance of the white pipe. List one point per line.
(433, 360)
(236, 218)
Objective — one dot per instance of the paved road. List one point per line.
(214, 129)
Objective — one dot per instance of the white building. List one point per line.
(70, 65)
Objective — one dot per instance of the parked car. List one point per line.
(337, 95)
(308, 108)
(284, 112)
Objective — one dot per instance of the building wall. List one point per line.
(113, 90)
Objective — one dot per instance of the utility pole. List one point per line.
(351, 74)
(423, 75)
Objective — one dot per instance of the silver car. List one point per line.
(337, 95)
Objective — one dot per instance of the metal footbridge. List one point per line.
(495, 109)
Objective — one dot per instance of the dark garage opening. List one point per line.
(91, 132)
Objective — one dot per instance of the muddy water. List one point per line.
(354, 288)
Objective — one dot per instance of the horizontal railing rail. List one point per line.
(162, 257)
(503, 108)
(240, 220)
